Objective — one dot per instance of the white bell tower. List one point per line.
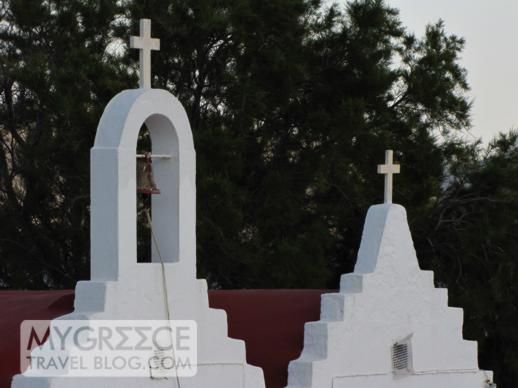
(121, 288)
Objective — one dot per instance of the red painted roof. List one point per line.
(271, 322)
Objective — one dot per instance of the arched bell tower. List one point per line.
(121, 288)
(113, 183)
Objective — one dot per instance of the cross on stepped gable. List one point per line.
(145, 44)
(388, 169)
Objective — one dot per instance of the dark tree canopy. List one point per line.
(292, 105)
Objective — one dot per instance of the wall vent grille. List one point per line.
(401, 357)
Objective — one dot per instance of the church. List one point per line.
(387, 326)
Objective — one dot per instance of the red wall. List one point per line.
(271, 322)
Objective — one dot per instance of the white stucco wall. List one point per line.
(120, 287)
(386, 300)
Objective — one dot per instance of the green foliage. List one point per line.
(54, 82)
(292, 105)
(472, 247)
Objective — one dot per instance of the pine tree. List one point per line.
(55, 79)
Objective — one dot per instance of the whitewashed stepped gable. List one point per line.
(120, 287)
(387, 299)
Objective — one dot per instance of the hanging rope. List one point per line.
(164, 286)
(167, 308)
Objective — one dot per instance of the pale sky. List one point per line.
(490, 28)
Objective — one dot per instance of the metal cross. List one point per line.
(389, 169)
(145, 44)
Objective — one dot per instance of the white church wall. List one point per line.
(388, 300)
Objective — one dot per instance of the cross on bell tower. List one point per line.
(389, 169)
(145, 44)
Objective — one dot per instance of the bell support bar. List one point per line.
(157, 156)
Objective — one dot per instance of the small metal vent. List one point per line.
(401, 357)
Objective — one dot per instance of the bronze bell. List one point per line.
(145, 181)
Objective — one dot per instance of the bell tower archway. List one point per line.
(113, 183)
